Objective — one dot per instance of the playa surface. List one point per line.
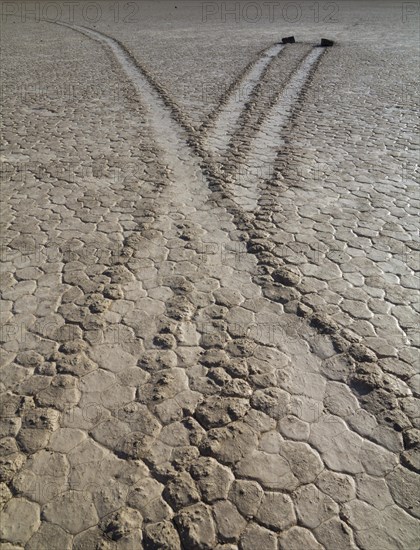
(210, 258)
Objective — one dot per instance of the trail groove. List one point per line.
(223, 126)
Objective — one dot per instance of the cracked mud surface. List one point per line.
(209, 312)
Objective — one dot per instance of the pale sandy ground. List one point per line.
(210, 276)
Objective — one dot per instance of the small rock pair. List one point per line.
(325, 42)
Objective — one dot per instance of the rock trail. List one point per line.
(177, 403)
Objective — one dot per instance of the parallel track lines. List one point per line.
(228, 115)
(266, 144)
(211, 142)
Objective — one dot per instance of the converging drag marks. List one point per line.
(270, 137)
(228, 115)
